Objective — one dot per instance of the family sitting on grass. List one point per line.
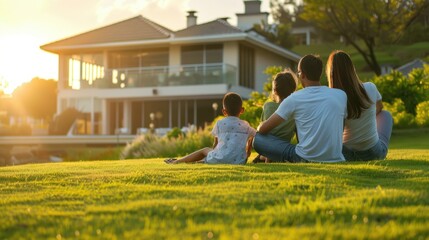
(344, 121)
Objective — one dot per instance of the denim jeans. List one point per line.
(379, 151)
(275, 149)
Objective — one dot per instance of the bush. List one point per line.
(422, 117)
(411, 89)
(175, 133)
(401, 118)
(150, 146)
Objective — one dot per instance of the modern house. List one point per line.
(136, 73)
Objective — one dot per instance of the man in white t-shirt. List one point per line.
(319, 114)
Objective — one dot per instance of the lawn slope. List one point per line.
(147, 199)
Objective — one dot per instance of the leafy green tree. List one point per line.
(37, 97)
(275, 33)
(279, 32)
(365, 24)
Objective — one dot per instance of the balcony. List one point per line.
(198, 74)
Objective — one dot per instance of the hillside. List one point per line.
(396, 55)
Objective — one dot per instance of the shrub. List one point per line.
(411, 89)
(150, 146)
(401, 118)
(174, 133)
(422, 117)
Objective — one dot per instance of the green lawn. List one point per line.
(147, 199)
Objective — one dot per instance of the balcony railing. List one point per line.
(163, 76)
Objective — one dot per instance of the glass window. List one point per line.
(247, 67)
(202, 54)
(139, 58)
(192, 55)
(214, 53)
(84, 70)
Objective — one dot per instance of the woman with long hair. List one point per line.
(368, 128)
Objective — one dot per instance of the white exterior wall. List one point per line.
(264, 59)
(62, 78)
(174, 57)
(230, 55)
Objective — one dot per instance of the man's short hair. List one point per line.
(311, 66)
(232, 103)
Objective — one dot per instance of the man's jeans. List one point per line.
(275, 149)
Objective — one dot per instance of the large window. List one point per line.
(247, 67)
(202, 54)
(139, 58)
(84, 70)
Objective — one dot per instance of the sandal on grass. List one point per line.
(170, 160)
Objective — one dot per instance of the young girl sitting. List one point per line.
(232, 137)
(283, 85)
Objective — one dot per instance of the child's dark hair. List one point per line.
(232, 103)
(284, 83)
(312, 67)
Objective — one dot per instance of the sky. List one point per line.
(25, 25)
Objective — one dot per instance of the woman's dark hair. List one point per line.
(232, 103)
(284, 84)
(341, 74)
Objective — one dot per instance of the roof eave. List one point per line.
(183, 40)
(58, 49)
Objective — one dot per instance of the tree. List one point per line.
(38, 98)
(365, 24)
(279, 32)
(275, 33)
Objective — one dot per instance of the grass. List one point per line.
(147, 199)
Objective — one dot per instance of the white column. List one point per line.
(307, 37)
(92, 116)
(127, 115)
(142, 123)
(170, 113)
(104, 117)
(195, 113)
(186, 113)
(179, 114)
(105, 65)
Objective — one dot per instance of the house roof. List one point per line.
(218, 26)
(408, 67)
(140, 31)
(133, 29)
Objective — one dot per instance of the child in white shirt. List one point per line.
(232, 137)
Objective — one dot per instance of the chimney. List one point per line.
(252, 15)
(252, 7)
(191, 19)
